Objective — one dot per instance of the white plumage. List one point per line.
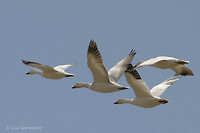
(48, 72)
(104, 81)
(164, 62)
(144, 97)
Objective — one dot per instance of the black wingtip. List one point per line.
(123, 88)
(92, 42)
(69, 75)
(27, 73)
(92, 45)
(133, 52)
(93, 49)
(115, 102)
(130, 69)
(25, 62)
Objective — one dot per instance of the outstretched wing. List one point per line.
(95, 63)
(64, 67)
(116, 71)
(159, 89)
(162, 60)
(139, 86)
(147, 62)
(44, 68)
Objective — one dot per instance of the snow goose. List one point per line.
(48, 72)
(104, 81)
(143, 96)
(164, 62)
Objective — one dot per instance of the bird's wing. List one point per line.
(183, 70)
(64, 67)
(116, 71)
(156, 60)
(134, 80)
(44, 68)
(95, 63)
(170, 59)
(159, 89)
(147, 62)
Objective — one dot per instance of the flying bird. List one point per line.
(164, 62)
(104, 82)
(48, 72)
(144, 97)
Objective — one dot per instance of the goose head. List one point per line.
(34, 71)
(122, 101)
(81, 85)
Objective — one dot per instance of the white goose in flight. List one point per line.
(104, 81)
(164, 62)
(143, 96)
(48, 72)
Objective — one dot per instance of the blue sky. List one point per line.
(58, 32)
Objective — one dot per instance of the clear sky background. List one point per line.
(58, 32)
